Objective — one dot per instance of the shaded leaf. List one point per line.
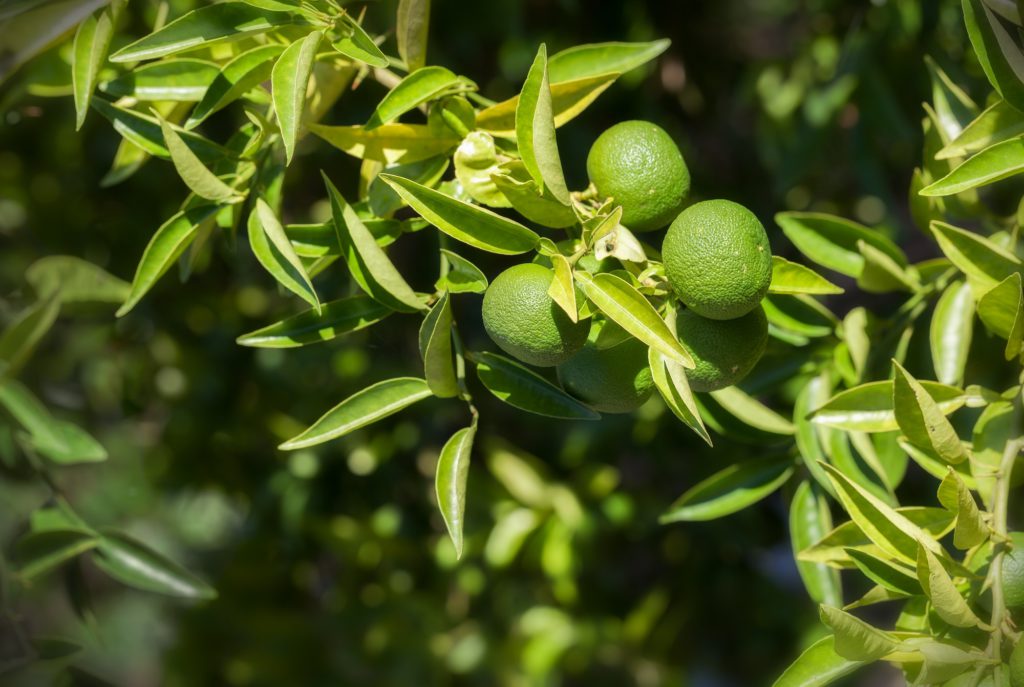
(462, 276)
(145, 132)
(956, 497)
(411, 29)
(199, 179)
(882, 274)
(521, 192)
(563, 289)
(892, 576)
(809, 521)
(334, 319)
(523, 388)
(999, 122)
(362, 408)
(730, 490)
(671, 382)
(1001, 308)
(19, 339)
(855, 639)
(41, 552)
(943, 594)
(832, 241)
(435, 340)
(450, 482)
(133, 563)
(998, 54)
(568, 99)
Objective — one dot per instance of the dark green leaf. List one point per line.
(855, 640)
(334, 319)
(133, 563)
(40, 552)
(20, 338)
(411, 29)
(436, 349)
(523, 388)
(145, 132)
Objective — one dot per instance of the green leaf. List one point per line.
(19, 340)
(799, 314)
(833, 550)
(999, 122)
(462, 277)
(184, 79)
(359, 46)
(88, 53)
(950, 332)
(470, 224)
(289, 80)
(888, 529)
(752, 412)
(146, 133)
(535, 130)
(320, 240)
(998, 424)
(436, 349)
(40, 552)
(419, 87)
(226, 21)
(31, 414)
(133, 563)
(593, 59)
(563, 289)
(869, 408)
(819, 666)
(516, 186)
(243, 73)
(627, 307)
(412, 28)
(808, 440)
(809, 521)
(943, 594)
(362, 408)
(793, 278)
(985, 263)
(832, 241)
(953, 108)
(956, 497)
(76, 445)
(199, 179)
(1001, 308)
(921, 419)
(892, 576)
(522, 388)
(730, 490)
(997, 51)
(855, 640)
(882, 274)
(476, 163)
(390, 143)
(450, 482)
(997, 162)
(334, 319)
(383, 200)
(671, 382)
(272, 248)
(166, 246)
(568, 99)
(369, 265)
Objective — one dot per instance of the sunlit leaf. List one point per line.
(855, 639)
(450, 482)
(997, 51)
(752, 412)
(1001, 308)
(568, 99)
(391, 143)
(516, 186)
(832, 241)
(535, 130)
(869, 408)
(362, 408)
(435, 340)
(730, 490)
(999, 122)
(943, 594)
(985, 263)
(145, 132)
(419, 87)
(289, 80)
(592, 59)
(562, 289)
(272, 248)
(199, 179)
(335, 319)
(809, 521)
(956, 497)
(921, 419)
(89, 52)
(818, 666)
(793, 278)
(243, 73)
(951, 332)
(183, 79)
(670, 379)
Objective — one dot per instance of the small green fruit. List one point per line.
(611, 380)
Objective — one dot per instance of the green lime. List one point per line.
(1017, 665)
(1013, 572)
(609, 380)
(724, 351)
(521, 318)
(717, 259)
(639, 165)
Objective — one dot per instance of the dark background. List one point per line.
(332, 565)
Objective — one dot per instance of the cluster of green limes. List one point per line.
(716, 259)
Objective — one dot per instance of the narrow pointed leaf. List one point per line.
(362, 408)
(462, 277)
(368, 263)
(921, 419)
(359, 46)
(199, 179)
(882, 274)
(951, 331)
(582, 61)
(226, 21)
(21, 337)
(793, 278)
(882, 571)
(809, 521)
(419, 87)
(1002, 311)
(832, 241)
(997, 52)
(243, 73)
(272, 248)
(855, 639)
(166, 246)
(145, 132)
(752, 412)
(563, 289)
(535, 130)
(988, 166)
(627, 307)
(818, 666)
(334, 319)
(133, 563)
(671, 382)
(88, 53)
(391, 143)
(436, 349)
(450, 482)
(869, 407)
(999, 122)
(984, 263)
(522, 193)
(522, 388)
(568, 99)
(411, 29)
(945, 598)
(470, 224)
(730, 490)
(289, 80)
(956, 497)
(183, 79)
(41, 552)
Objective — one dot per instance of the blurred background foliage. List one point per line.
(332, 565)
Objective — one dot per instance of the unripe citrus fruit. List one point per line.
(610, 380)
(521, 318)
(724, 351)
(639, 165)
(1013, 572)
(717, 259)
